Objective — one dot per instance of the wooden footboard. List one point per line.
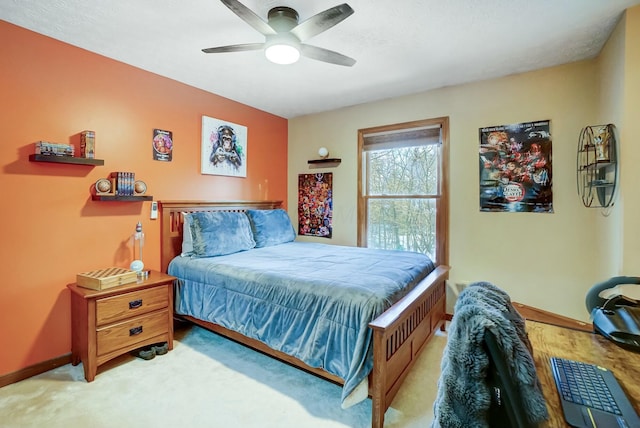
(399, 334)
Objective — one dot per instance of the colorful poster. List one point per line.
(162, 145)
(224, 148)
(515, 168)
(315, 204)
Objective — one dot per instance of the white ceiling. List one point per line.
(401, 46)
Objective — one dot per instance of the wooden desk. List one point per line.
(549, 340)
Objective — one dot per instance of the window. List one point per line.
(402, 188)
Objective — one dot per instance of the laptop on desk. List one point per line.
(591, 396)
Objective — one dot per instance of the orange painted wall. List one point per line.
(51, 229)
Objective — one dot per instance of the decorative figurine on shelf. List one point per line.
(138, 241)
(103, 187)
(601, 141)
(139, 188)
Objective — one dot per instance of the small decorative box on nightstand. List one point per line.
(111, 322)
(105, 278)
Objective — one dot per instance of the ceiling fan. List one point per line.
(284, 36)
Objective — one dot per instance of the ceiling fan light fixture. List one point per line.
(284, 34)
(282, 53)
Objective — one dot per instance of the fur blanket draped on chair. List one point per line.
(464, 397)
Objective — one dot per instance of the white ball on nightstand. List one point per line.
(137, 265)
(323, 152)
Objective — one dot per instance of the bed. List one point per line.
(378, 353)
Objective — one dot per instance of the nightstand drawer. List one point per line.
(130, 332)
(128, 305)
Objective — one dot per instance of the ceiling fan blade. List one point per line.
(248, 16)
(326, 55)
(235, 48)
(321, 22)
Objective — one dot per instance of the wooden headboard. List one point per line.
(171, 221)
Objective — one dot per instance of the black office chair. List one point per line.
(488, 374)
(593, 300)
(507, 407)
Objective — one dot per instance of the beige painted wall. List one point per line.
(630, 137)
(619, 103)
(610, 89)
(544, 260)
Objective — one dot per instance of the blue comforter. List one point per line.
(311, 301)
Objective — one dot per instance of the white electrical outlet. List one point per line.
(154, 210)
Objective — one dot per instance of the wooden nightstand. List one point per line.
(109, 323)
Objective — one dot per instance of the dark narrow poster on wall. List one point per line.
(315, 204)
(162, 145)
(515, 168)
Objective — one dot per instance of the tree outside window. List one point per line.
(402, 204)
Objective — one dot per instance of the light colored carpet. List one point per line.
(208, 381)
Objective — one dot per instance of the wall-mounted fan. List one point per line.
(285, 36)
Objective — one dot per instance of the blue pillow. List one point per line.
(187, 240)
(271, 227)
(218, 233)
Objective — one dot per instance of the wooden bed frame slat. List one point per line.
(399, 334)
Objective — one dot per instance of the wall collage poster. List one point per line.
(516, 168)
(315, 204)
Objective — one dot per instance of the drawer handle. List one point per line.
(135, 304)
(135, 331)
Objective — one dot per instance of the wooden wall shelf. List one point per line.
(597, 170)
(65, 159)
(325, 162)
(117, 198)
